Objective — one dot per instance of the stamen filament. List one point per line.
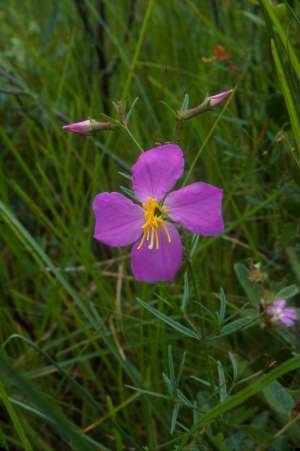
(142, 241)
(156, 239)
(166, 231)
(152, 239)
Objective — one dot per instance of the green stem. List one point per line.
(207, 138)
(133, 138)
(202, 327)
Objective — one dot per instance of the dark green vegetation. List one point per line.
(91, 359)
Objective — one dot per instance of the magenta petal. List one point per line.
(279, 304)
(287, 321)
(119, 221)
(197, 207)
(290, 313)
(156, 171)
(156, 265)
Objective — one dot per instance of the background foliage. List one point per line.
(90, 358)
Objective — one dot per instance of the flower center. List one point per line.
(278, 314)
(153, 219)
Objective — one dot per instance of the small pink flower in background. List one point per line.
(85, 127)
(278, 312)
(218, 98)
(157, 251)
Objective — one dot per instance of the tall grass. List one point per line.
(91, 358)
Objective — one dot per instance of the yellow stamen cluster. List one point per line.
(153, 219)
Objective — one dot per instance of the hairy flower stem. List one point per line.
(202, 327)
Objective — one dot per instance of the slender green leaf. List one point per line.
(185, 102)
(175, 413)
(237, 325)
(235, 371)
(171, 322)
(186, 292)
(222, 310)
(222, 382)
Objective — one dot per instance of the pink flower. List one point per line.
(157, 251)
(279, 312)
(218, 98)
(87, 126)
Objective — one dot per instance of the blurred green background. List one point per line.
(90, 358)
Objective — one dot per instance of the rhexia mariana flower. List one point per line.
(157, 250)
(278, 312)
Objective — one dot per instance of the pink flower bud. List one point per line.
(87, 126)
(207, 104)
(218, 98)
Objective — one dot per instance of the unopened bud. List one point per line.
(85, 127)
(218, 98)
(208, 104)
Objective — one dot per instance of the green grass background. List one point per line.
(90, 358)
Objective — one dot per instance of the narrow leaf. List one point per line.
(234, 366)
(171, 322)
(185, 103)
(128, 115)
(222, 382)
(186, 292)
(237, 325)
(175, 413)
(222, 310)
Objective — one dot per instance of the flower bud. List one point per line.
(208, 104)
(218, 98)
(85, 127)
